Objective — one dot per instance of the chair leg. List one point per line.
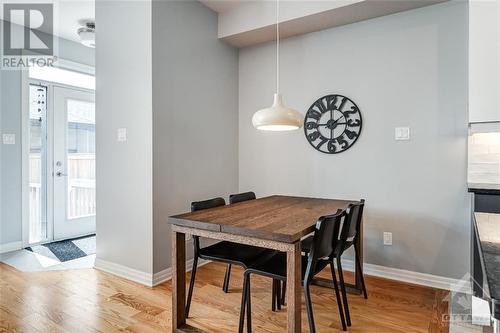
(337, 295)
(243, 304)
(273, 306)
(360, 270)
(249, 307)
(344, 294)
(278, 294)
(225, 286)
(191, 284)
(283, 293)
(310, 316)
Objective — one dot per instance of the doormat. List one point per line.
(67, 249)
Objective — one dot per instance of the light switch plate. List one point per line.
(387, 238)
(9, 139)
(121, 135)
(402, 133)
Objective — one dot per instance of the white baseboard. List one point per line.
(397, 274)
(8, 247)
(144, 278)
(124, 272)
(166, 274)
(429, 280)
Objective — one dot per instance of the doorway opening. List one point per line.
(59, 160)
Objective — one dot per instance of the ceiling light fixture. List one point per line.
(87, 34)
(278, 117)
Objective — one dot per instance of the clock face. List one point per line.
(332, 124)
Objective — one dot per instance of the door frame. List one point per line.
(25, 83)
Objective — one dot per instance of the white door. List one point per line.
(74, 163)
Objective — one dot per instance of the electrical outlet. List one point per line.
(387, 238)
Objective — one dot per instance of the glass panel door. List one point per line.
(74, 163)
(37, 132)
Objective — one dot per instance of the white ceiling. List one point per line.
(221, 6)
(247, 22)
(244, 23)
(68, 15)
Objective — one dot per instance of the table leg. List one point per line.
(178, 280)
(294, 284)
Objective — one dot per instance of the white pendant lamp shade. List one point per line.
(277, 118)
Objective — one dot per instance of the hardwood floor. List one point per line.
(92, 301)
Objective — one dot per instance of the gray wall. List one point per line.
(10, 155)
(195, 114)
(123, 100)
(407, 69)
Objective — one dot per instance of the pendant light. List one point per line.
(278, 117)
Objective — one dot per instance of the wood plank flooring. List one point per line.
(92, 301)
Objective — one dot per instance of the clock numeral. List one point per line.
(353, 123)
(342, 104)
(311, 125)
(331, 146)
(313, 136)
(313, 114)
(350, 134)
(331, 100)
(322, 142)
(353, 110)
(319, 104)
(343, 143)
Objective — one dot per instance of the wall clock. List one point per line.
(333, 124)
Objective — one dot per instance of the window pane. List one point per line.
(37, 163)
(81, 158)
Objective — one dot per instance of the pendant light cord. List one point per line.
(277, 47)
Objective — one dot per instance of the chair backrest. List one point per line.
(235, 198)
(350, 227)
(206, 204)
(200, 205)
(325, 233)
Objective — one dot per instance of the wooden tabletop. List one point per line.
(280, 218)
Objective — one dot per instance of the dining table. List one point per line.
(275, 222)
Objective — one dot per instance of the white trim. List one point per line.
(25, 157)
(166, 274)
(423, 279)
(75, 66)
(124, 272)
(13, 246)
(144, 278)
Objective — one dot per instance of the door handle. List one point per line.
(60, 174)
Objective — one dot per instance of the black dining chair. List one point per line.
(348, 237)
(274, 265)
(235, 198)
(226, 252)
(356, 213)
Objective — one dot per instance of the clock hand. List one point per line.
(335, 123)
